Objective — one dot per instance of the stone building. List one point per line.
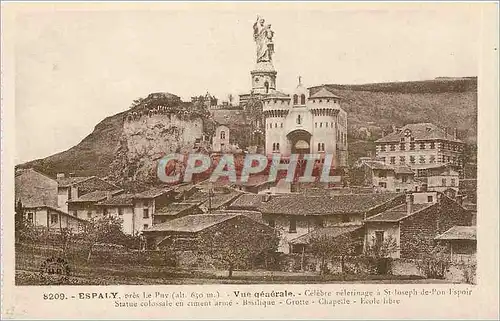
(419, 145)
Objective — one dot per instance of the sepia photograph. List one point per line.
(227, 144)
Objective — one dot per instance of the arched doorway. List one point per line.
(300, 141)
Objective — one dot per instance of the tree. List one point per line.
(435, 262)
(237, 245)
(327, 247)
(107, 229)
(380, 252)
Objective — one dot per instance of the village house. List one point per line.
(37, 193)
(183, 233)
(85, 206)
(385, 178)
(419, 145)
(71, 188)
(438, 178)
(414, 225)
(298, 214)
(460, 242)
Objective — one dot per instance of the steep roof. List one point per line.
(119, 200)
(70, 181)
(330, 231)
(55, 209)
(459, 233)
(35, 189)
(153, 192)
(247, 201)
(420, 131)
(191, 223)
(324, 93)
(174, 209)
(95, 196)
(403, 170)
(373, 164)
(299, 204)
(397, 213)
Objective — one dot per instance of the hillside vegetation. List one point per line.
(372, 110)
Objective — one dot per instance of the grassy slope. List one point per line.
(447, 103)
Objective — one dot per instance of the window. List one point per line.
(402, 146)
(422, 159)
(146, 226)
(74, 213)
(316, 125)
(331, 124)
(393, 160)
(302, 99)
(379, 238)
(281, 125)
(69, 193)
(299, 119)
(430, 199)
(120, 211)
(89, 214)
(321, 125)
(453, 183)
(293, 225)
(382, 174)
(443, 182)
(30, 217)
(105, 211)
(295, 99)
(53, 218)
(432, 159)
(271, 223)
(278, 146)
(275, 125)
(393, 148)
(222, 135)
(404, 178)
(422, 145)
(402, 139)
(382, 148)
(383, 159)
(412, 146)
(382, 184)
(321, 147)
(326, 124)
(412, 159)
(145, 213)
(402, 160)
(433, 145)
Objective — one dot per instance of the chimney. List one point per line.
(409, 203)
(60, 175)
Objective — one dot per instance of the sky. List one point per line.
(74, 67)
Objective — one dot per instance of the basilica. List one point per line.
(297, 123)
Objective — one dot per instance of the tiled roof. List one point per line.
(55, 209)
(69, 181)
(247, 201)
(403, 170)
(459, 233)
(34, 188)
(153, 192)
(323, 93)
(420, 131)
(119, 200)
(397, 213)
(331, 231)
(173, 209)
(95, 196)
(191, 223)
(378, 165)
(299, 204)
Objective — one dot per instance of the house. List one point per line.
(85, 207)
(414, 225)
(298, 214)
(472, 208)
(175, 210)
(461, 243)
(419, 145)
(71, 188)
(52, 218)
(121, 206)
(439, 178)
(355, 231)
(386, 178)
(185, 232)
(37, 194)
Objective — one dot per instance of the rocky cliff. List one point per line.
(126, 146)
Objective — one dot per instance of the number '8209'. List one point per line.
(54, 296)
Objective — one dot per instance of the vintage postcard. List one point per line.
(249, 160)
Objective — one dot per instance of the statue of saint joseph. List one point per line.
(263, 36)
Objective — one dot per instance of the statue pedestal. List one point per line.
(266, 66)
